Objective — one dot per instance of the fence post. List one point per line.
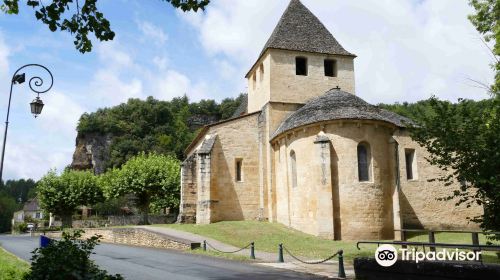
(475, 241)
(280, 253)
(252, 251)
(204, 245)
(403, 238)
(432, 240)
(341, 264)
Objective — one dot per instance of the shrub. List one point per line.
(67, 259)
(20, 227)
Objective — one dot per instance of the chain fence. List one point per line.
(306, 262)
(226, 252)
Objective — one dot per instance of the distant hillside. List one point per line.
(110, 136)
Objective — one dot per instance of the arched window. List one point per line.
(364, 159)
(293, 168)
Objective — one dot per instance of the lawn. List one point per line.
(267, 236)
(11, 267)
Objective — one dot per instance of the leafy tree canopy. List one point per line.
(149, 177)
(486, 21)
(164, 127)
(83, 17)
(62, 194)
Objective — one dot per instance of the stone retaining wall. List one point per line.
(135, 237)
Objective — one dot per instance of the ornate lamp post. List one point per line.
(36, 85)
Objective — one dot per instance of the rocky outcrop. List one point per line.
(196, 121)
(91, 152)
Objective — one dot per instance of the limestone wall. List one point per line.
(259, 84)
(278, 81)
(286, 86)
(356, 210)
(418, 197)
(135, 237)
(189, 189)
(236, 140)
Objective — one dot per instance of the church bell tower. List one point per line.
(300, 60)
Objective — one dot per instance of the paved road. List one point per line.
(149, 263)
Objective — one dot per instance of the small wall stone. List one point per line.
(135, 237)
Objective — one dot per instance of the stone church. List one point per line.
(306, 152)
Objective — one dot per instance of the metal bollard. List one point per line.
(341, 264)
(252, 251)
(204, 245)
(280, 253)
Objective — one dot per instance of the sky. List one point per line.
(406, 51)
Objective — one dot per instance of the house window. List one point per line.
(410, 164)
(37, 215)
(254, 80)
(239, 172)
(293, 168)
(261, 72)
(330, 68)
(364, 159)
(301, 66)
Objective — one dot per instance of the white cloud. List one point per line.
(4, 58)
(171, 83)
(407, 50)
(152, 32)
(61, 114)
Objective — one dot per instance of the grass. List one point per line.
(11, 267)
(267, 236)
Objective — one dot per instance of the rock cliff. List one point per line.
(91, 152)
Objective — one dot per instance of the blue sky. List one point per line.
(407, 51)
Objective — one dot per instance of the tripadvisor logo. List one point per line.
(386, 255)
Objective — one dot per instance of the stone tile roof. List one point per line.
(338, 105)
(207, 145)
(300, 30)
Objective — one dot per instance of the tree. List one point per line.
(67, 259)
(486, 22)
(149, 177)
(464, 138)
(61, 195)
(80, 20)
(21, 190)
(8, 206)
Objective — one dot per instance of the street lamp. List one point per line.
(36, 85)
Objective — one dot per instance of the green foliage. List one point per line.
(80, 20)
(152, 125)
(20, 227)
(464, 138)
(11, 267)
(67, 259)
(486, 21)
(62, 194)
(112, 206)
(21, 190)
(8, 206)
(149, 177)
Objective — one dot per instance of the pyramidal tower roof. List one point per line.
(300, 30)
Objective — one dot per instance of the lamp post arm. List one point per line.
(35, 83)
